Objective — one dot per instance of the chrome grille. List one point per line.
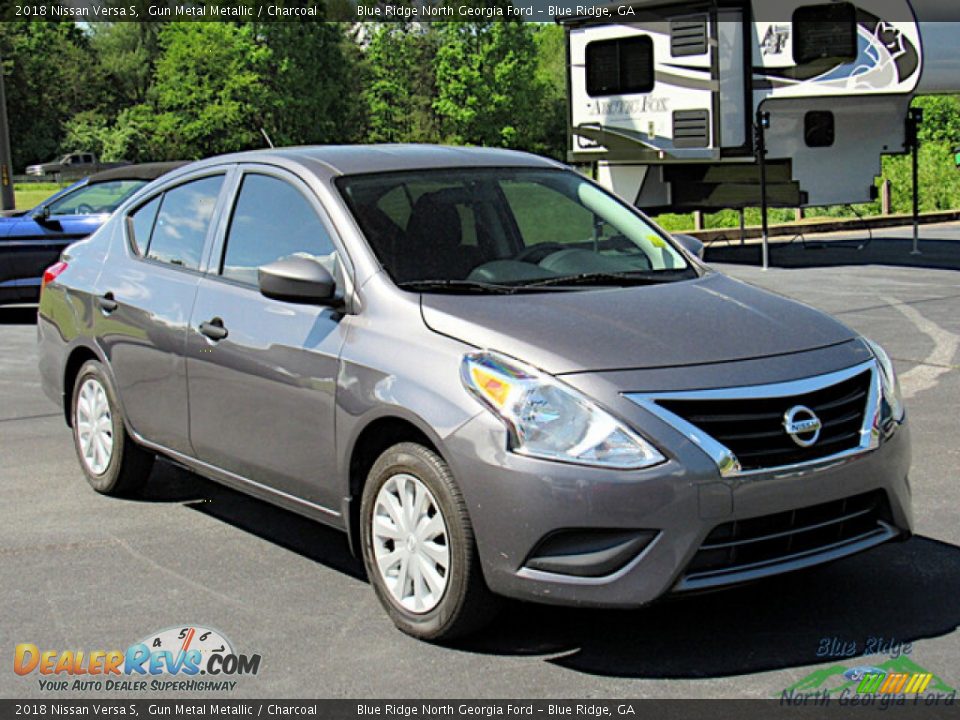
(753, 429)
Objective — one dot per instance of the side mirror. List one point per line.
(41, 214)
(297, 280)
(691, 244)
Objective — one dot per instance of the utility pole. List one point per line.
(6, 171)
(914, 121)
(763, 122)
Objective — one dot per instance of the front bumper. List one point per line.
(516, 502)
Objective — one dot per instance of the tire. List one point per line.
(115, 465)
(453, 601)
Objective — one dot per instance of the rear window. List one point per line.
(175, 230)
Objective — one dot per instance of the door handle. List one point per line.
(107, 303)
(214, 329)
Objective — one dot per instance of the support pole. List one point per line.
(914, 120)
(763, 122)
(7, 201)
(916, 203)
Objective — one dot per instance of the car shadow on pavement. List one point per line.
(171, 483)
(18, 315)
(900, 592)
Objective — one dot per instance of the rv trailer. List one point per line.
(663, 95)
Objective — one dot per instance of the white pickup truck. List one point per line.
(72, 164)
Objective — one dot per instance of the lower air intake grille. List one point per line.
(759, 542)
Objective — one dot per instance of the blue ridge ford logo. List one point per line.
(802, 425)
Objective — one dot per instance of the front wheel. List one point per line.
(111, 461)
(418, 546)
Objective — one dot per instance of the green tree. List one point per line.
(46, 68)
(126, 54)
(400, 83)
(311, 74)
(208, 91)
(941, 118)
(487, 89)
(551, 74)
(85, 131)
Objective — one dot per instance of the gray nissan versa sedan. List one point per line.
(496, 377)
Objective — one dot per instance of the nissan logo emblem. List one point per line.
(802, 425)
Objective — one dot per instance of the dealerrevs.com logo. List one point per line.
(183, 659)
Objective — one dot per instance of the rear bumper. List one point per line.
(51, 351)
(516, 502)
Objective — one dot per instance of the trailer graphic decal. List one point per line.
(775, 41)
(886, 60)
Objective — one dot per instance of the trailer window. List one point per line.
(620, 67)
(819, 128)
(824, 32)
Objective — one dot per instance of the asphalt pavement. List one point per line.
(82, 571)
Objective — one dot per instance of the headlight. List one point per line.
(548, 420)
(888, 380)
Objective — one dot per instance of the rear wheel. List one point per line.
(418, 546)
(112, 462)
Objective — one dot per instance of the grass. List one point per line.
(29, 195)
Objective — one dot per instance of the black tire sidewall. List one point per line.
(107, 481)
(431, 470)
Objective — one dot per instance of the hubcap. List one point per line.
(410, 543)
(94, 426)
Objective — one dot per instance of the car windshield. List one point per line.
(497, 230)
(95, 198)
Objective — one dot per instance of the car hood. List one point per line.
(712, 319)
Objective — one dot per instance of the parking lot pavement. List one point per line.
(81, 571)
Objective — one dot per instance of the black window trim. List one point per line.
(128, 222)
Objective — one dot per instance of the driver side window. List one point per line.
(272, 220)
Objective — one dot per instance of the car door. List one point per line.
(262, 373)
(145, 294)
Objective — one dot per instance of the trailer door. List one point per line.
(732, 102)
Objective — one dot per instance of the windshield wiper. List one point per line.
(637, 277)
(459, 286)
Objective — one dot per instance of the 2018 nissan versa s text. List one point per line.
(498, 378)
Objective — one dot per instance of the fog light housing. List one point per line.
(588, 553)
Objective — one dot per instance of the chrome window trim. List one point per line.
(726, 461)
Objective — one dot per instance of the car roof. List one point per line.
(142, 171)
(361, 159)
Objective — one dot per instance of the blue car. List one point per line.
(31, 241)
